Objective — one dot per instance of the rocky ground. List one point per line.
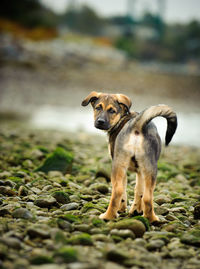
(49, 219)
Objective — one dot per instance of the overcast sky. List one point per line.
(175, 11)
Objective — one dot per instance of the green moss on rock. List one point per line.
(145, 221)
(136, 226)
(71, 218)
(61, 197)
(67, 254)
(41, 259)
(59, 160)
(81, 239)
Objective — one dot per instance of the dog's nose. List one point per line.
(101, 121)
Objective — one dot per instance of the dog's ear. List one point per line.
(124, 100)
(93, 96)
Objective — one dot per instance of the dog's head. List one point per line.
(108, 108)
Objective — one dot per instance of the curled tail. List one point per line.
(148, 114)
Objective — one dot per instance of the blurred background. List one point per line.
(53, 53)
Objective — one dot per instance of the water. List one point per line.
(68, 119)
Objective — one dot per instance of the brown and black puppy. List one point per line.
(134, 144)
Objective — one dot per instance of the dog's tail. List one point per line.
(148, 114)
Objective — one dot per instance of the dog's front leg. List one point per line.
(118, 180)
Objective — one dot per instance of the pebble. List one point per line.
(117, 255)
(61, 197)
(11, 242)
(22, 191)
(47, 188)
(5, 174)
(7, 191)
(197, 211)
(136, 226)
(22, 213)
(45, 202)
(180, 254)
(162, 199)
(155, 244)
(38, 231)
(65, 225)
(126, 233)
(70, 206)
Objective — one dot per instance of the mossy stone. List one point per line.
(81, 239)
(136, 226)
(61, 197)
(144, 220)
(71, 218)
(67, 254)
(191, 238)
(41, 259)
(59, 160)
(116, 255)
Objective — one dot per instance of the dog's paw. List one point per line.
(135, 213)
(105, 216)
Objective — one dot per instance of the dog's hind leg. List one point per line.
(136, 208)
(118, 180)
(123, 203)
(147, 200)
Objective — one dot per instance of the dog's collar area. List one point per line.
(114, 131)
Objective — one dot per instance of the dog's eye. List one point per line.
(111, 111)
(98, 108)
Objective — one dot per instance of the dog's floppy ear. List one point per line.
(90, 98)
(124, 100)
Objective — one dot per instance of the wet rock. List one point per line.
(102, 188)
(22, 213)
(162, 199)
(60, 160)
(67, 254)
(71, 218)
(82, 227)
(81, 239)
(36, 154)
(11, 242)
(116, 255)
(61, 197)
(28, 163)
(46, 266)
(9, 183)
(191, 238)
(161, 210)
(155, 244)
(22, 191)
(4, 211)
(7, 191)
(46, 202)
(101, 237)
(104, 170)
(112, 265)
(47, 188)
(41, 259)
(125, 233)
(5, 174)
(197, 211)
(38, 231)
(180, 254)
(53, 174)
(65, 225)
(136, 226)
(178, 209)
(70, 206)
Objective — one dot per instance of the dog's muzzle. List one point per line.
(102, 124)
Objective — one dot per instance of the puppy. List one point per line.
(134, 144)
